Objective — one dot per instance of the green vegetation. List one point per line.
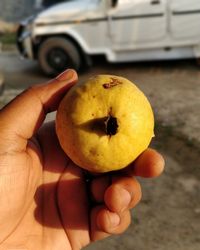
(8, 38)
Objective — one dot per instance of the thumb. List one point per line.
(21, 118)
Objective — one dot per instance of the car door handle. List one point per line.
(155, 2)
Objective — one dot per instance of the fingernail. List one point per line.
(114, 219)
(66, 75)
(125, 199)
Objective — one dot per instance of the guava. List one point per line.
(105, 123)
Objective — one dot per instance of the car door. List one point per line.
(185, 19)
(138, 22)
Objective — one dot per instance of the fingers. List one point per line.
(123, 194)
(149, 164)
(24, 115)
(113, 217)
(105, 223)
(96, 233)
(118, 193)
(113, 223)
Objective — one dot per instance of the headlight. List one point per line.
(28, 20)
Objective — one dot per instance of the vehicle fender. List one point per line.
(197, 50)
(69, 32)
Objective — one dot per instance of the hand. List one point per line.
(47, 202)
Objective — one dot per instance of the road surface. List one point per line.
(168, 217)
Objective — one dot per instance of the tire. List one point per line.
(57, 54)
(1, 83)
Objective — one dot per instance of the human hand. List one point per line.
(47, 202)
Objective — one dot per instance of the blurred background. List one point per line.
(168, 217)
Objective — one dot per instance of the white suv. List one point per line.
(69, 33)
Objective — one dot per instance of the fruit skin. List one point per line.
(81, 123)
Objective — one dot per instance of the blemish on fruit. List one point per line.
(113, 82)
(93, 151)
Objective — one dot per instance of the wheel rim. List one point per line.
(58, 59)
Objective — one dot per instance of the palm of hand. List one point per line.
(38, 214)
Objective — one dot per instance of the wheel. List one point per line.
(1, 82)
(57, 54)
(198, 61)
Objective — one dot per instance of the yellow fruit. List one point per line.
(105, 123)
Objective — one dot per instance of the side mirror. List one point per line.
(114, 3)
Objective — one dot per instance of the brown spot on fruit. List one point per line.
(113, 82)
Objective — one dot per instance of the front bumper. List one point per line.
(24, 42)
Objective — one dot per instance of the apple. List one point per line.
(105, 123)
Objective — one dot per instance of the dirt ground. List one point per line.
(168, 217)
